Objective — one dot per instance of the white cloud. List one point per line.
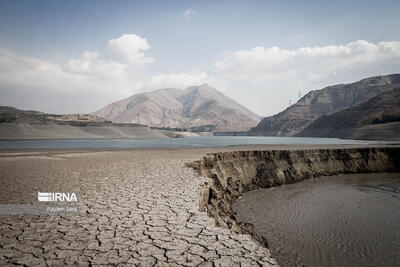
(82, 84)
(263, 79)
(128, 48)
(176, 80)
(266, 78)
(24, 71)
(261, 63)
(92, 63)
(189, 13)
(93, 71)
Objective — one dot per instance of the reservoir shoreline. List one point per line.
(133, 201)
(235, 173)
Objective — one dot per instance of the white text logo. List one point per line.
(57, 197)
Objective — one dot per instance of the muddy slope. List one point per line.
(234, 173)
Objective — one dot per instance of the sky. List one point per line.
(78, 56)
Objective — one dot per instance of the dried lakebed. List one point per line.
(346, 220)
(142, 207)
(137, 208)
(235, 173)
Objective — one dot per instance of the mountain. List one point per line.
(321, 102)
(377, 118)
(176, 108)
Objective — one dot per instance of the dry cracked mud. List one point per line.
(137, 208)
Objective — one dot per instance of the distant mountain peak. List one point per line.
(194, 106)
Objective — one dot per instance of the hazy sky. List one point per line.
(78, 56)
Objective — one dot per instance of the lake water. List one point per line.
(170, 142)
(347, 220)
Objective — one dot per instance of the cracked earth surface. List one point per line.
(137, 208)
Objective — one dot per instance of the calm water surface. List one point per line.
(169, 142)
(347, 220)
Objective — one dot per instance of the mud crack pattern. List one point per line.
(137, 208)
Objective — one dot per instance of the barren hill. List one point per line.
(326, 101)
(192, 107)
(377, 118)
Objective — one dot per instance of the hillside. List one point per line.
(377, 118)
(11, 114)
(29, 124)
(326, 101)
(194, 106)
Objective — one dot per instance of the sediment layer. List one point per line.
(234, 173)
(62, 130)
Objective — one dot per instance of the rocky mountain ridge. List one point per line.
(376, 118)
(194, 106)
(321, 102)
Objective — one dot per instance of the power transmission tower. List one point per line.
(299, 94)
(163, 119)
(144, 114)
(290, 102)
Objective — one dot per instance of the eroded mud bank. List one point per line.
(234, 173)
